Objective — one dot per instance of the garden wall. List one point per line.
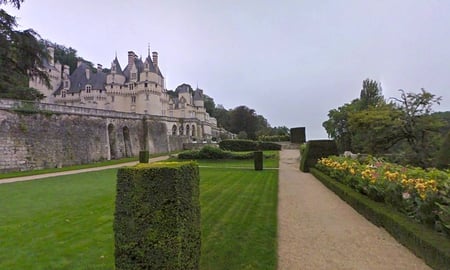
(43, 139)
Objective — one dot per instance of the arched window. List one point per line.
(181, 130)
(187, 130)
(174, 130)
(88, 88)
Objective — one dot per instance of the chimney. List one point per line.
(131, 57)
(66, 70)
(99, 67)
(51, 54)
(88, 73)
(79, 62)
(155, 58)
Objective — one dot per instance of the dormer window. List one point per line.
(66, 84)
(63, 93)
(133, 76)
(88, 88)
(133, 99)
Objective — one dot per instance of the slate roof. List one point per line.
(78, 80)
(118, 68)
(198, 94)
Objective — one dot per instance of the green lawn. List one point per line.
(66, 222)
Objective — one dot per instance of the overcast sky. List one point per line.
(291, 61)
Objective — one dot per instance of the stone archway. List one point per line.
(127, 142)
(112, 142)
(188, 130)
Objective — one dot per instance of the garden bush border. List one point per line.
(422, 241)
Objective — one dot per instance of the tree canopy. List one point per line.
(21, 56)
(405, 126)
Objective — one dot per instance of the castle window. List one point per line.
(146, 97)
(63, 94)
(133, 99)
(66, 84)
(112, 86)
(100, 91)
(112, 98)
(88, 88)
(130, 86)
(133, 76)
(145, 84)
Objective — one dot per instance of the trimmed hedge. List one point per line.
(298, 135)
(258, 160)
(248, 145)
(157, 216)
(238, 145)
(210, 152)
(422, 241)
(314, 150)
(143, 156)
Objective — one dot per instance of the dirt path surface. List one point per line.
(34, 177)
(317, 230)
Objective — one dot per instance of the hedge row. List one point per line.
(214, 153)
(424, 242)
(157, 216)
(314, 150)
(248, 145)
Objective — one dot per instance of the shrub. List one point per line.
(238, 145)
(314, 150)
(269, 146)
(298, 135)
(274, 138)
(443, 158)
(157, 216)
(189, 154)
(258, 160)
(143, 156)
(211, 152)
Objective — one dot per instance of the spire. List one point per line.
(148, 50)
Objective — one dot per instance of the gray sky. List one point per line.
(291, 61)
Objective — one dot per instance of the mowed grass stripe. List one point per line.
(66, 222)
(240, 222)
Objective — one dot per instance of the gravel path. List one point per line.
(317, 230)
(39, 176)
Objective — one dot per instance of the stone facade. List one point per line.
(138, 88)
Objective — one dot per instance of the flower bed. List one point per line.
(422, 195)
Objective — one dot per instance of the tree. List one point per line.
(419, 127)
(370, 94)
(376, 129)
(245, 119)
(21, 56)
(209, 104)
(337, 125)
(443, 158)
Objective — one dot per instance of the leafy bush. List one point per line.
(314, 150)
(238, 145)
(143, 156)
(269, 146)
(209, 152)
(189, 154)
(423, 195)
(157, 216)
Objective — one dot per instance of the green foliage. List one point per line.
(443, 158)
(259, 159)
(314, 150)
(298, 135)
(269, 146)
(432, 247)
(157, 217)
(214, 153)
(143, 156)
(274, 138)
(21, 55)
(371, 95)
(238, 145)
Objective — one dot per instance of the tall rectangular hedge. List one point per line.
(157, 216)
(298, 135)
(316, 149)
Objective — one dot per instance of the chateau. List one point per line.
(138, 88)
